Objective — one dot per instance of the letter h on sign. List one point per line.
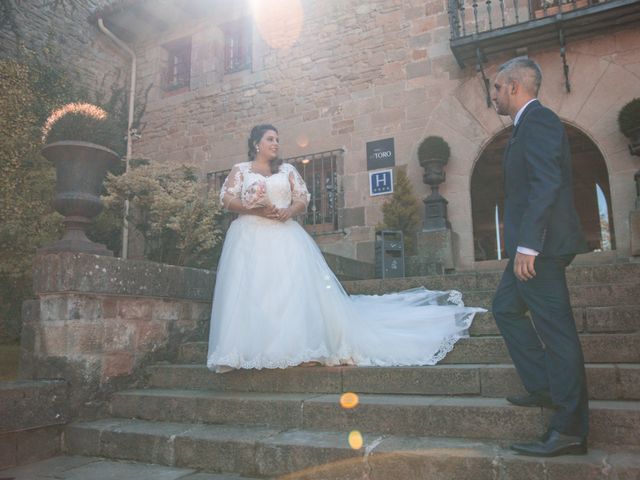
(381, 182)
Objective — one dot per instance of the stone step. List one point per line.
(29, 404)
(612, 422)
(582, 296)
(577, 275)
(313, 455)
(597, 348)
(65, 467)
(612, 319)
(32, 413)
(606, 381)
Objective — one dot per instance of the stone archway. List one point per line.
(591, 189)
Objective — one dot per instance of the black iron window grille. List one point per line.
(320, 173)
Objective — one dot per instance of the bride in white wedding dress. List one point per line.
(276, 302)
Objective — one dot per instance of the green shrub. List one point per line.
(26, 187)
(629, 118)
(181, 223)
(402, 210)
(433, 147)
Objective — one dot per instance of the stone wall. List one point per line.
(98, 320)
(65, 31)
(357, 72)
(364, 71)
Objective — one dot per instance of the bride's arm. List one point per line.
(235, 205)
(299, 197)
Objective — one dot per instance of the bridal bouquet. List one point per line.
(255, 195)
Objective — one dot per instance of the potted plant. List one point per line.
(433, 155)
(78, 139)
(629, 123)
(549, 8)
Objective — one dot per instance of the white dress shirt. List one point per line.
(524, 250)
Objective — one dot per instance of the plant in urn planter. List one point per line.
(433, 154)
(78, 140)
(629, 123)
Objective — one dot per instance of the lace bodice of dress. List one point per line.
(282, 188)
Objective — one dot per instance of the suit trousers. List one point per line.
(545, 349)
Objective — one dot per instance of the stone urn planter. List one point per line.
(433, 155)
(634, 142)
(80, 170)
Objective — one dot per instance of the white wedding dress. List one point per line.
(277, 303)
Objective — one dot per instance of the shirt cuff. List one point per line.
(528, 251)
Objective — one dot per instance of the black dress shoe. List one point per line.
(531, 400)
(553, 443)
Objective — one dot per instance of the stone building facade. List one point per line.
(337, 75)
(44, 30)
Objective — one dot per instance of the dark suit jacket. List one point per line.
(539, 211)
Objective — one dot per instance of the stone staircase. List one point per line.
(448, 421)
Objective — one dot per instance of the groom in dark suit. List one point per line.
(542, 235)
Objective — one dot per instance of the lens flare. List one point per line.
(349, 400)
(302, 140)
(278, 21)
(355, 440)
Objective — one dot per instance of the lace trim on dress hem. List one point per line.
(455, 298)
(236, 360)
(446, 346)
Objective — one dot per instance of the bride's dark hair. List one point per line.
(256, 135)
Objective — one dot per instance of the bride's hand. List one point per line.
(268, 211)
(283, 214)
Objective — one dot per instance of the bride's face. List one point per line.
(268, 144)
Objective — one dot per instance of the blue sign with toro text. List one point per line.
(381, 182)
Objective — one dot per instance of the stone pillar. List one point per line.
(97, 321)
(435, 241)
(435, 251)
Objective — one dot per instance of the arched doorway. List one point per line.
(590, 187)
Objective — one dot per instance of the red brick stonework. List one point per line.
(97, 320)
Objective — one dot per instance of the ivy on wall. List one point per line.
(30, 88)
(26, 183)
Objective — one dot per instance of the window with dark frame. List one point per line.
(237, 45)
(178, 72)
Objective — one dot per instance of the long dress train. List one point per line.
(278, 304)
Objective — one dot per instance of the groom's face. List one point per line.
(501, 94)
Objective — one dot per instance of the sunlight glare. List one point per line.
(278, 21)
